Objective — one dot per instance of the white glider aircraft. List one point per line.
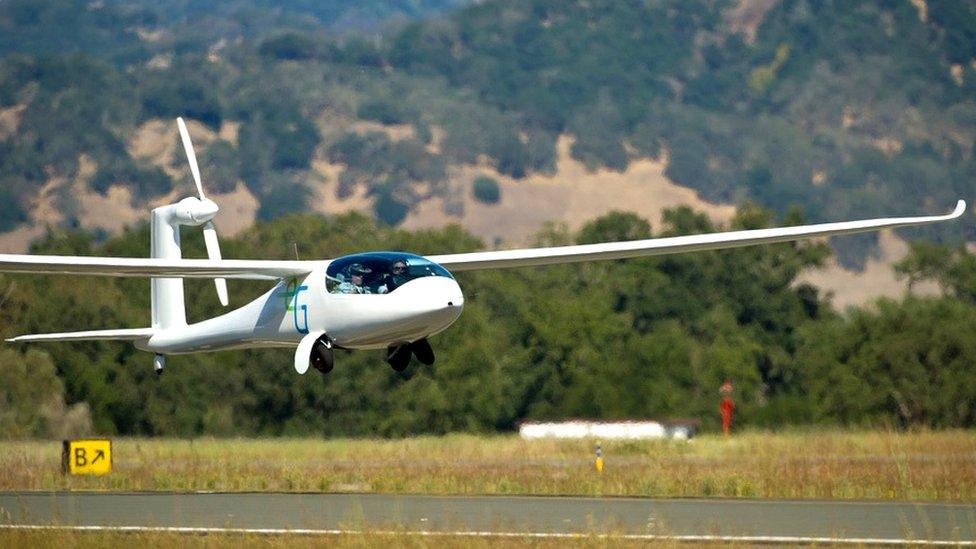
(374, 300)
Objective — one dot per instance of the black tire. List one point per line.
(423, 351)
(322, 357)
(398, 357)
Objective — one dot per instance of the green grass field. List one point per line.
(934, 466)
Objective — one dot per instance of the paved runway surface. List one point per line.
(749, 519)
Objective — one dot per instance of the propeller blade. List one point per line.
(213, 252)
(190, 155)
(209, 231)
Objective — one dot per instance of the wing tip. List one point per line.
(960, 209)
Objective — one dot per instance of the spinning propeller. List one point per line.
(209, 231)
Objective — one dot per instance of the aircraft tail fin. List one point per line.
(126, 334)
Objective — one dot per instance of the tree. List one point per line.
(904, 364)
(32, 399)
(485, 190)
(290, 47)
(954, 269)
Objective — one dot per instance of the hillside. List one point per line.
(849, 109)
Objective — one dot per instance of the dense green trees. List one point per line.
(32, 399)
(291, 46)
(905, 364)
(648, 337)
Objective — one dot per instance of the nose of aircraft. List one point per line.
(455, 297)
(434, 300)
(419, 308)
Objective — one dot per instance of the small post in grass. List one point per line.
(599, 458)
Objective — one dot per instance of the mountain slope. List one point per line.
(849, 109)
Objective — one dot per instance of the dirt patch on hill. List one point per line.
(745, 16)
(573, 194)
(238, 210)
(325, 191)
(18, 240)
(876, 280)
(110, 212)
(158, 142)
(10, 120)
(396, 132)
(229, 131)
(923, 9)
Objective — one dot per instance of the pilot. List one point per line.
(355, 283)
(395, 278)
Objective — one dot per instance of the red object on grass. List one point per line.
(727, 408)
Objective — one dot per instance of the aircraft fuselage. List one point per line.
(296, 307)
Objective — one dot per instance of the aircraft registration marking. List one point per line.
(291, 294)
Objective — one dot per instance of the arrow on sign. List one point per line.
(99, 454)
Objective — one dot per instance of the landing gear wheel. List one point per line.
(323, 357)
(423, 351)
(398, 357)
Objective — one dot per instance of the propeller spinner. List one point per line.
(209, 230)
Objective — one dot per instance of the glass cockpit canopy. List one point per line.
(378, 272)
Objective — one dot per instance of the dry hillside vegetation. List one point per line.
(745, 16)
(9, 120)
(573, 194)
(156, 142)
(111, 212)
(878, 279)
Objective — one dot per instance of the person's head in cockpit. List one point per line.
(355, 283)
(399, 268)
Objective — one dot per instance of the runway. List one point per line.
(691, 519)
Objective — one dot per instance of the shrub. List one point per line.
(290, 46)
(486, 190)
(389, 210)
(381, 111)
(11, 212)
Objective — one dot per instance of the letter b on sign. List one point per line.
(86, 457)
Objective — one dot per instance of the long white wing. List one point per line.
(661, 246)
(273, 270)
(168, 268)
(125, 334)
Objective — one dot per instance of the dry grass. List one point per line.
(59, 539)
(934, 466)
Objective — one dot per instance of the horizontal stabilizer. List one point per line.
(127, 334)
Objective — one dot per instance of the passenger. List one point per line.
(395, 278)
(355, 283)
